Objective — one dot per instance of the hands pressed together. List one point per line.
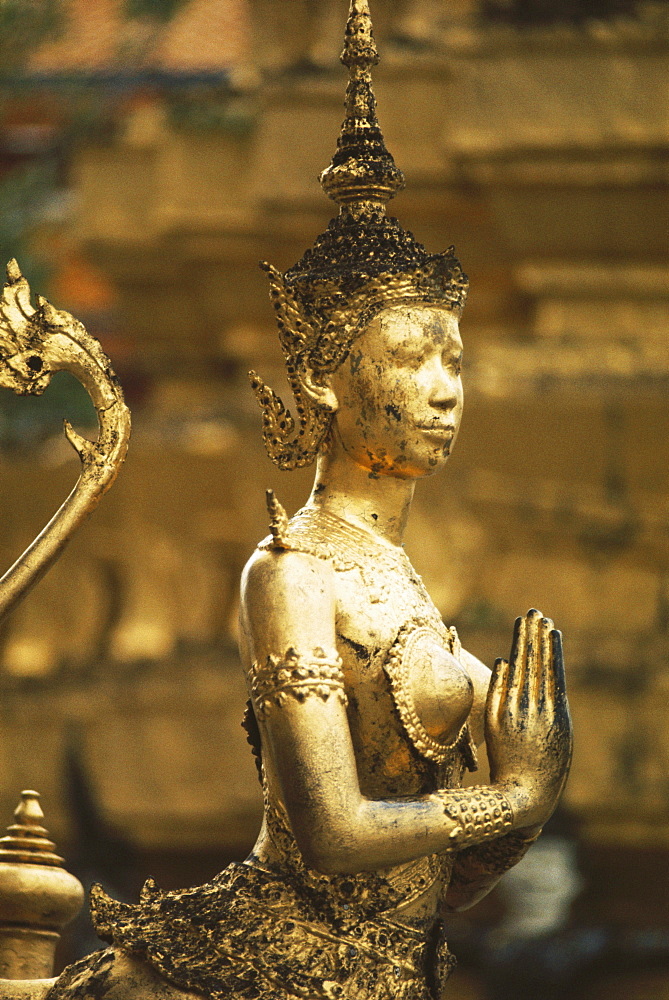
(528, 727)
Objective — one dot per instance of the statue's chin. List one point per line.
(403, 470)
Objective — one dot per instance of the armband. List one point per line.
(297, 676)
(479, 814)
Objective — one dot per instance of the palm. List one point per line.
(528, 727)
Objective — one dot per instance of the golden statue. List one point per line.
(365, 711)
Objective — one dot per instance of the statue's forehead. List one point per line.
(419, 323)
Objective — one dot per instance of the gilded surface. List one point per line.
(365, 709)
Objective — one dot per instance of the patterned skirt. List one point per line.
(251, 934)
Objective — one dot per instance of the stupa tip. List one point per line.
(359, 46)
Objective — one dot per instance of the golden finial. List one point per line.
(362, 177)
(278, 524)
(359, 45)
(37, 896)
(26, 839)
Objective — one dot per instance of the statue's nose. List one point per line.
(445, 390)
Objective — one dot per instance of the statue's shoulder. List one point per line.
(296, 554)
(305, 533)
(113, 975)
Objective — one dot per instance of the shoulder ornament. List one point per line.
(294, 675)
(278, 523)
(347, 548)
(302, 534)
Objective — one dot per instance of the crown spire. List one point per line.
(362, 176)
(359, 45)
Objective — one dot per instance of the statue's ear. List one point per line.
(318, 389)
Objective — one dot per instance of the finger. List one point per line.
(560, 690)
(517, 656)
(528, 685)
(545, 683)
(497, 690)
(562, 719)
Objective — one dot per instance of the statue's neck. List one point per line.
(378, 504)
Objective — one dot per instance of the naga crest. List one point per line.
(23, 367)
(35, 343)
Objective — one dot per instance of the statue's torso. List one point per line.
(410, 698)
(409, 685)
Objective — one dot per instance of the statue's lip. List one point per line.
(436, 427)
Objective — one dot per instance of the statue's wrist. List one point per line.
(476, 815)
(523, 806)
(529, 811)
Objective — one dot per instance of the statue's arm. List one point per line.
(288, 618)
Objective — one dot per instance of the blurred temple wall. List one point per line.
(179, 144)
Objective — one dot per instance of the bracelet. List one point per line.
(296, 676)
(479, 814)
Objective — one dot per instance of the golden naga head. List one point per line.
(364, 262)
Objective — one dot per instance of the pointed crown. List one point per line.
(364, 261)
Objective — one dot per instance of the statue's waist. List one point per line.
(409, 892)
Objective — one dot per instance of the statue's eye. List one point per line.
(452, 362)
(34, 363)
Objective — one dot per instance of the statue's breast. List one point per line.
(432, 691)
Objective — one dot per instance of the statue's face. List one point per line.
(399, 392)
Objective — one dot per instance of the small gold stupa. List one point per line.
(38, 895)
